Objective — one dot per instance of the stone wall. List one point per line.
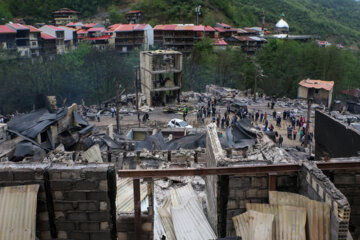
(329, 132)
(348, 182)
(74, 202)
(316, 186)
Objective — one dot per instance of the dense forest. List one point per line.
(90, 75)
(336, 20)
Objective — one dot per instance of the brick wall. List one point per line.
(315, 185)
(348, 182)
(74, 202)
(126, 227)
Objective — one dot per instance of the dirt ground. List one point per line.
(159, 119)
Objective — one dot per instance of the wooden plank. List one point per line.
(137, 208)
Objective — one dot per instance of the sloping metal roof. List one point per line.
(317, 84)
(167, 223)
(18, 212)
(318, 213)
(188, 217)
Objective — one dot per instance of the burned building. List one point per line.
(161, 73)
(320, 91)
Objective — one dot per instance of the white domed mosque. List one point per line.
(282, 27)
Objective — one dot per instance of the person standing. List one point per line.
(294, 133)
(280, 141)
(112, 112)
(98, 115)
(218, 121)
(227, 121)
(261, 116)
(289, 132)
(223, 123)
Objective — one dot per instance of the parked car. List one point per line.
(178, 123)
(234, 107)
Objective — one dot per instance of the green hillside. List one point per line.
(335, 20)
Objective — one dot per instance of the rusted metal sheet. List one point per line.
(125, 195)
(289, 221)
(188, 217)
(241, 225)
(18, 212)
(269, 209)
(292, 223)
(254, 225)
(317, 213)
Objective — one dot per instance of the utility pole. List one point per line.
(255, 83)
(197, 10)
(263, 23)
(117, 107)
(309, 100)
(137, 76)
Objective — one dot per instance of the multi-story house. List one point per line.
(7, 37)
(57, 32)
(133, 16)
(65, 15)
(181, 37)
(22, 38)
(247, 44)
(70, 40)
(130, 36)
(224, 30)
(47, 44)
(161, 74)
(34, 41)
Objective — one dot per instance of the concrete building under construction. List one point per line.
(161, 73)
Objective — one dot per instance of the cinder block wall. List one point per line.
(247, 189)
(74, 202)
(126, 227)
(348, 182)
(316, 186)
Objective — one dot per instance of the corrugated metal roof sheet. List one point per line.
(17, 26)
(97, 29)
(254, 225)
(318, 213)
(18, 212)
(125, 195)
(269, 209)
(167, 223)
(317, 84)
(188, 217)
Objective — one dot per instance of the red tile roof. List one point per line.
(134, 11)
(170, 27)
(32, 29)
(89, 25)
(17, 26)
(6, 29)
(97, 29)
(219, 29)
(224, 25)
(47, 36)
(55, 28)
(81, 31)
(130, 27)
(100, 38)
(220, 42)
(159, 27)
(353, 92)
(318, 84)
(209, 29)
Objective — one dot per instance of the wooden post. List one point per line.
(307, 123)
(117, 107)
(255, 83)
(272, 182)
(137, 208)
(137, 75)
